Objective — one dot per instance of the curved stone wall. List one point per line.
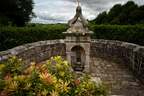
(38, 51)
(130, 54)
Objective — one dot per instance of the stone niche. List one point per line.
(78, 55)
(78, 42)
(78, 58)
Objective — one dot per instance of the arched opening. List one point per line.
(78, 58)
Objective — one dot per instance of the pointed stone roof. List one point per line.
(78, 23)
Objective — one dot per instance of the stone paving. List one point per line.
(117, 77)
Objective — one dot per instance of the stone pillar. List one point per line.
(87, 63)
(68, 55)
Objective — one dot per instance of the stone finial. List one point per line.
(78, 23)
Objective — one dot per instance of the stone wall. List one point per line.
(38, 51)
(103, 54)
(130, 54)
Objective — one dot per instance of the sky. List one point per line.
(60, 11)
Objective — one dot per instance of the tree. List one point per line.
(127, 8)
(101, 18)
(113, 13)
(129, 13)
(18, 12)
(141, 14)
(136, 16)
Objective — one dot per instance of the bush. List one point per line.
(53, 78)
(127, 33)
(14, 36)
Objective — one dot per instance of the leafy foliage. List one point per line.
(17, 12)
(14, 36)
(53, 78)
(129, 13)
(127, 33)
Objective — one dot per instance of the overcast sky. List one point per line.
(60, 11)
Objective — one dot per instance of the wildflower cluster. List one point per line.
(53, 78)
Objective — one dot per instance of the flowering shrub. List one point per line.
(53, 78)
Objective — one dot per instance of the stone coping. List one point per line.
(22, 48)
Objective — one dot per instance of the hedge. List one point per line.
(127, 33)
(14, 36)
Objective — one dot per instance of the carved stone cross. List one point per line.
(78, 2)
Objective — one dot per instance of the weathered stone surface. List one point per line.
(114, 62)
(131, 55)
(78, 42)
(78, 23)
(118, 78)
(38, 51)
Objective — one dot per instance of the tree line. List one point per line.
(129, 13)
(19, 12)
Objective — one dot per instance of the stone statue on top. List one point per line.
(78, 23)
